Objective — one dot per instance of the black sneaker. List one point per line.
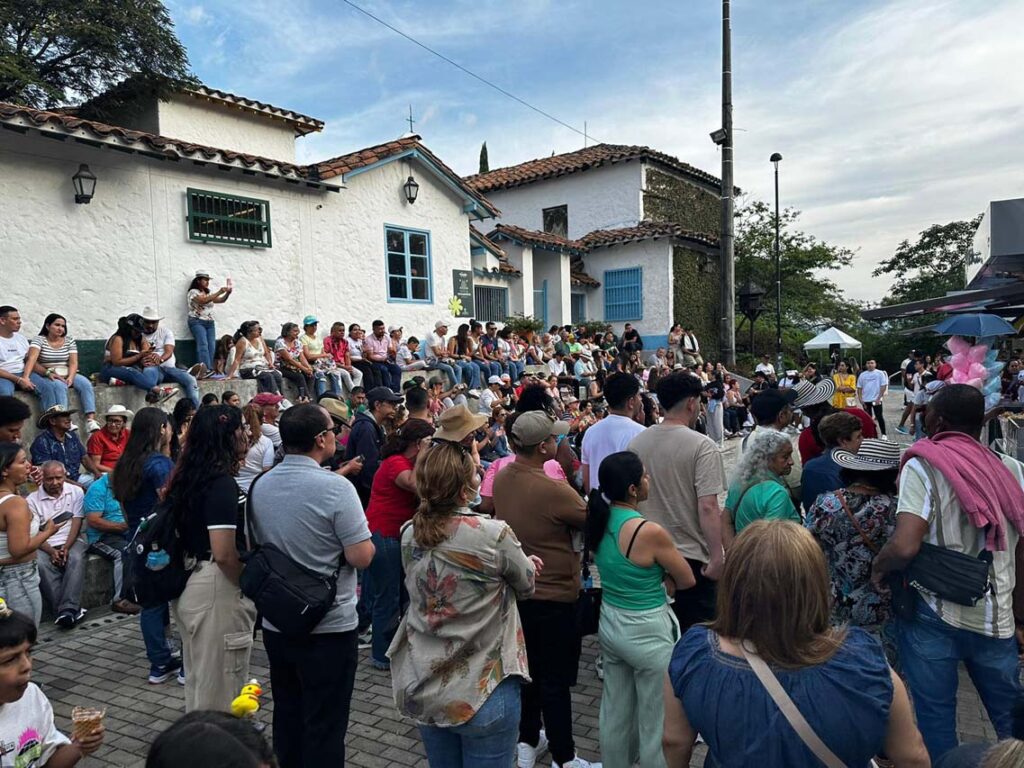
(158, 674)
(65, 620)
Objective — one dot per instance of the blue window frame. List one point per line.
(624, 294)
(578, 307)
(540, 301)
(407, 265)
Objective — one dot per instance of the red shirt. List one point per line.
(102, 444)
(336, 348)
(809, 447)
(390, 506)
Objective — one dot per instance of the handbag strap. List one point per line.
(789, 709)
(856, 524)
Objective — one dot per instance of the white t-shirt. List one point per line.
(160, 338)
(257, 459)
(610, 435)
(12, 353)
(557, 367)
(870, 383)
(487, 400)
(28, 736)
(46, 507)
(434, 341)
(355, 348)
(273, 432)
(405, 355)
(766, 368)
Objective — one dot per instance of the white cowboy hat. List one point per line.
(118, 410)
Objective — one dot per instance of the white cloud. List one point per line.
(196, 14)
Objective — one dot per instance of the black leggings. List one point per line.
(876, 409)
(302, 382)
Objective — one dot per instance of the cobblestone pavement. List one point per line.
(102, 662)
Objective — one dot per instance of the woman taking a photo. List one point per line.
(20, 536)
(200, 315)
(459, 658)
(392, 504)
(774, 622)
(214, 618)
(253, 359)
(292, 362)
(52, 364)
(137, 480)
(757, 491)
(636, 559)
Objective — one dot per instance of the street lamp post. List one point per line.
(775, 159)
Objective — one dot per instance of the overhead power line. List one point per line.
(472, 74)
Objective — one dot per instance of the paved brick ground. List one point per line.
(102, 662)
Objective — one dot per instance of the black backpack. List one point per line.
(154, 560)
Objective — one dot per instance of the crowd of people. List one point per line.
(464, 499)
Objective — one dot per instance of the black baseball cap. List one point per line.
(382, 394)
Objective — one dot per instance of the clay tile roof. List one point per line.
(645, 230)
(339, 166)
(582, 160)
(578, 277)
(503, 264)
(303, 123)
(544, 240)
(56, 122)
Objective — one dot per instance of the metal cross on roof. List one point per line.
(410, 120)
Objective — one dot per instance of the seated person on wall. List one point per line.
(319, 359)
(13, 350)
(57, 442)
(107, 532)
(60, 559)
(407, 357)
(106, 445)
(376, 348)
(292, 362)
(221, 353)
(253, 359)
(336, 346)
(53, 367)
(161, 341)
(130, 358)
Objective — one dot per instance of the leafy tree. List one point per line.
(485, 164)
(56, 51)
(809, 299)
(935, 264)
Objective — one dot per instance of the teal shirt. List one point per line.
(625, 584)
(768, 499)
(100, 498)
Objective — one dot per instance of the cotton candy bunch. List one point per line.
(976, 365)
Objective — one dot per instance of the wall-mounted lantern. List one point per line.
(412, 189)
(85, 184)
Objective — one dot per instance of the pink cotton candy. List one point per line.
(977, 371)
(960, 362)
(956, 345)
(959, 376)
(976, 383)
(977, 353)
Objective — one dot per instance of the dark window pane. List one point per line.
(421, 289)
(556, 220)
(397, 288)
(419, 266)
(418, 244)
(396, 241)
(396, 264)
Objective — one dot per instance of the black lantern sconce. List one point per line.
(750, 297)
(85, 184)
(412, 190)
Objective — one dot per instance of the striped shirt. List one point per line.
(50, 356)
(926, 493)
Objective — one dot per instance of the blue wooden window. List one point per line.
(408, 265)
(579, 307)
(491, 303)
(540, 302)
(624, 294)
(227, 219)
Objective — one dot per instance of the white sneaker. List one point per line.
(93, 426)
(576, 762)
(526, 756)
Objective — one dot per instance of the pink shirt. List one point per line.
(551, 468)
(336, 348)
(372, 346)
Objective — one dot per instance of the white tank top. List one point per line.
(33, 529)
(253, 354)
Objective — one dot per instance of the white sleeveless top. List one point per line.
(253, 355)
(33, 529)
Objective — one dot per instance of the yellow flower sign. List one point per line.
(455, 306)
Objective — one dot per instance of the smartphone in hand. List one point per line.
(62, 518)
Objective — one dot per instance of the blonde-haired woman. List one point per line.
(259, 457)
(774, 624)
(459, 658)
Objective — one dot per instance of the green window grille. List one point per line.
(228, 219)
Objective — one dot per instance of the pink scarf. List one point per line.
(988, 492)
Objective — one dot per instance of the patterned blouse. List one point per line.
(196, 310)
(461, 636)
(854, 600)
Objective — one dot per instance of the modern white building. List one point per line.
(613, 233)
(207, 180)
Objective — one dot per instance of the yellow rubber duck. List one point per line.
(247, 703)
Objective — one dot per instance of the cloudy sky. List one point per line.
(891, 115)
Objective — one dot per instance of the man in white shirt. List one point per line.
(406, 356)
(61, 558)
(436, 354)
(162, 339)
(491, 397)
(13, 351)
(872, 384)
(556, 365)
(615, 431)
(765, 367)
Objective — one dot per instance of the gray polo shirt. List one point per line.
(311, 514)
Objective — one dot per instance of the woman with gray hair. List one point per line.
(757, 490)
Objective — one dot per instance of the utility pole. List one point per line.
(727, 331)
(775, 159)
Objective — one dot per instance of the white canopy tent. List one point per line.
(831, 336)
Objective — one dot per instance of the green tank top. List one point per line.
(625, 584)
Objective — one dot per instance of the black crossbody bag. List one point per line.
(290, 596)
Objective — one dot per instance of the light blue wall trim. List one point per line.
(430, 266)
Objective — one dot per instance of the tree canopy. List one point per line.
(55, 52)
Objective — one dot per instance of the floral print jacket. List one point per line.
(461, 635)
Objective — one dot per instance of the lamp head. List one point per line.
(775, 158)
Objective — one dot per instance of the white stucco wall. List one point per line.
(129, 247)
(655, 257)
(553, 267)
(216, 124)
(521, 291)
(605, 197)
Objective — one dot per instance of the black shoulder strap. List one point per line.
(632, 539)
(247, 513)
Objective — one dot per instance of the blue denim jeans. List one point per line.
(389, 596)
(488, 740)
(189, 386)
(931, 651)
(145, 379)
(516, 369)
(55, 392)
(446, 369)
(470, 374)
(390, 375)
(154, 623)
(205, 334)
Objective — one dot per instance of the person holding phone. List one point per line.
(21, 534)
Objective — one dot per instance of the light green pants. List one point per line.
(637, 647)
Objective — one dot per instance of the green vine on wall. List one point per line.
(695, 295)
